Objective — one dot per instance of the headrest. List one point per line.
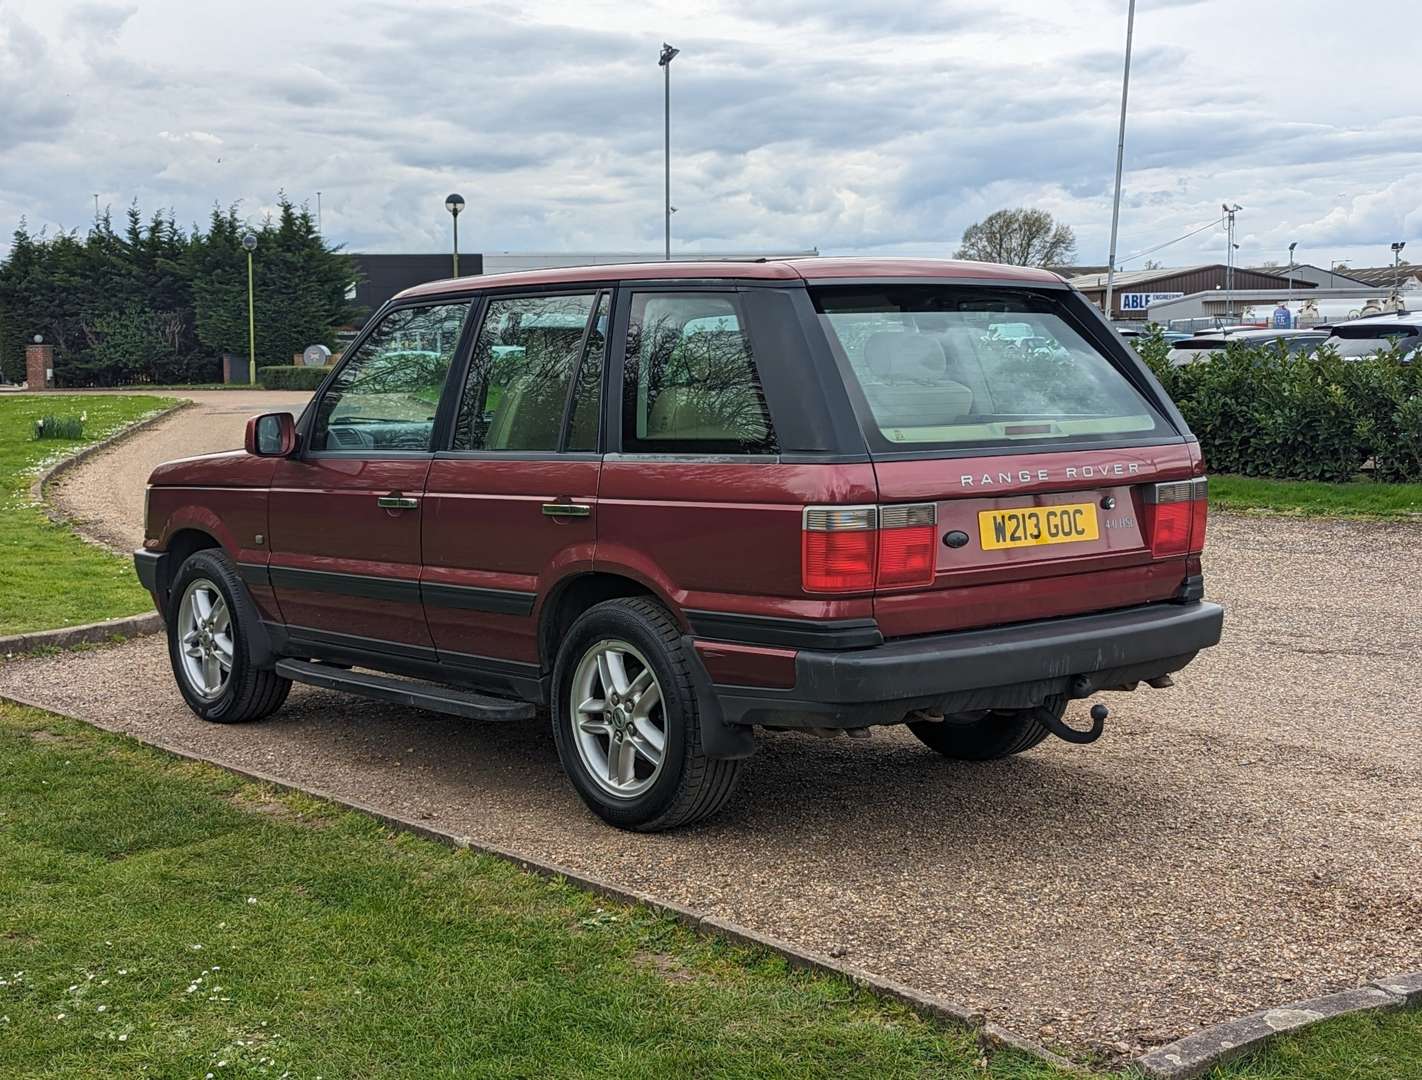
(893, 356)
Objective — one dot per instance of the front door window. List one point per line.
(386, 396)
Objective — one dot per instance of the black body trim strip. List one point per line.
(473, 598)
(254, 574)
(828, 634)
(405, 590)
(366, 586)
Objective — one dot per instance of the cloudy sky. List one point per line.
(847, 126)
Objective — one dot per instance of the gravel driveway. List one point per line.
(104, 496)
(1249, 837)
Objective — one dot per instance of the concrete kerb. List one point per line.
(990, 1036)
(66, 637)
(1197, 1053)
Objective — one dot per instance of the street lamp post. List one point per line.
(1120, 155)
(249, 244)
(664, 62)
(454, 204)
(1397, 267)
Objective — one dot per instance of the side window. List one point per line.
(690, 384)
(386, 395)
(520, 371)
(587, 396)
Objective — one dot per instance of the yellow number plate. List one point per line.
(1031, 526)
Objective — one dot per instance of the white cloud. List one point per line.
(826, 123)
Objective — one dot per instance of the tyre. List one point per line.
(999, 733)
(626, 722)
(210, 622)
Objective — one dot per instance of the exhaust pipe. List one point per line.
(1053, 723)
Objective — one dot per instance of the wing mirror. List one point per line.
(271, 435)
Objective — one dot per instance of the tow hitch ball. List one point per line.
(1049, 720)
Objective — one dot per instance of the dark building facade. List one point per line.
(382, 276)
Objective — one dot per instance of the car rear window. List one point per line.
(958, 366)
(1356, 341)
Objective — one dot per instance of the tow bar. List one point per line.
(1053, 723)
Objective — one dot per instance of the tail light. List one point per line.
(908, 537)
(1175, 516)
(858, 548)
(837, 546)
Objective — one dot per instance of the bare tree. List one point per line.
(1022, 237)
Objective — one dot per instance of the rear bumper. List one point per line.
(1006, 667)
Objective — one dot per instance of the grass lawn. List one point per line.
(51, 577)
(1362, 498)
(164, 918)
(167, 919)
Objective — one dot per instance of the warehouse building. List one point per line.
(1136, 290)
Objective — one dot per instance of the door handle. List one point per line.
(396, 501)
(557, 509)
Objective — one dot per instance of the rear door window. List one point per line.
(956, 367)
(525, 358)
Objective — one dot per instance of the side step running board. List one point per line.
(402, 692)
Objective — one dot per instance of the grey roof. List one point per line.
(1135, 277)
(1382, 276)
(1283, 271)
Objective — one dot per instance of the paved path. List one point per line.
(1250, 837)
(104, 496)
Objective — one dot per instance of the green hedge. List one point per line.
(291, 377)
(1261, 412)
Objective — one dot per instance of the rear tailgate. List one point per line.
(1086, 551)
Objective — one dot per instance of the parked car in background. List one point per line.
(1379, 333)
(672, 503)
(1203, 346)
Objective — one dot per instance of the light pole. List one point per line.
(1120, 155)
(454, 204)
(668, 55)
(318, 211)
(1229, 257)
(249, 244)
(1291, 270)
(1397, 267)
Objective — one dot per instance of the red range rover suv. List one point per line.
(671, 503)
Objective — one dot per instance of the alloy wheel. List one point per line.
(618, 718)
(205, 639)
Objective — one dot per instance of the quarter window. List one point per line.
(690, 383)
(519, 375)
(385, 396)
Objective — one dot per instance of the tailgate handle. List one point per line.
(559, 509)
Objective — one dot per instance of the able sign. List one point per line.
(1141, 301)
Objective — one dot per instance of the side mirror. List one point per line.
(271, 435)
